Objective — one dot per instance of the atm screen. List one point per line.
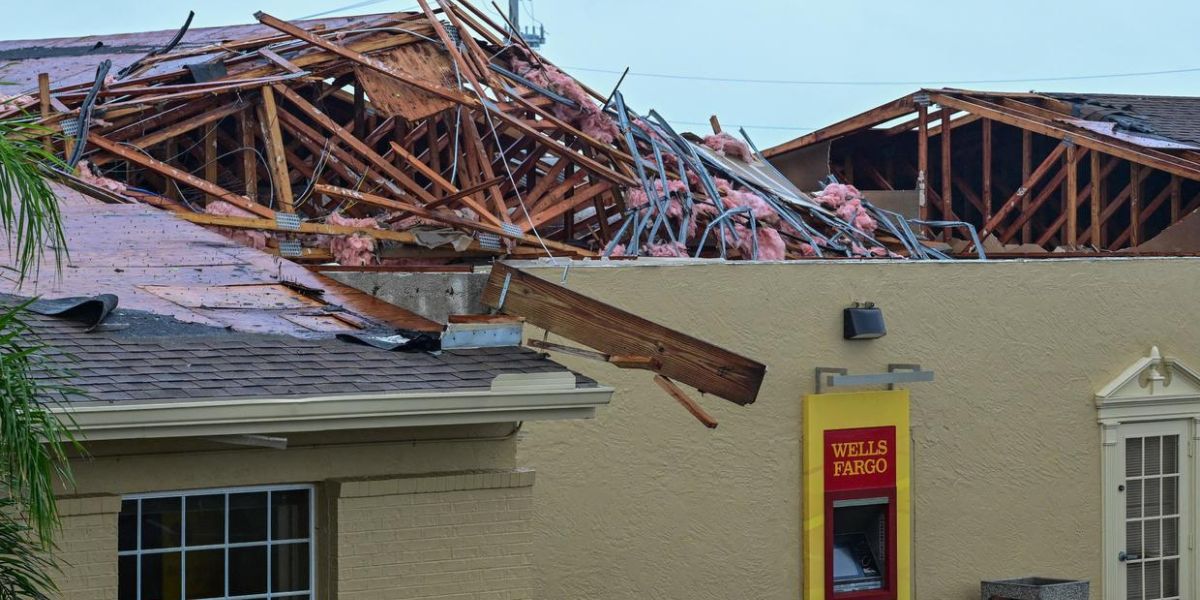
(854, 566)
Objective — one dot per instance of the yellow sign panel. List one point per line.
(857, 501)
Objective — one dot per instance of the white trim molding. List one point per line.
(512, 397)
(1155, 388)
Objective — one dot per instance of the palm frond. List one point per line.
(32, 438)
(25, 570)
(29, 212)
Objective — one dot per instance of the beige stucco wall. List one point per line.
(407, 513)
(643, 502)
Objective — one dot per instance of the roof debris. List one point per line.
(427, 138)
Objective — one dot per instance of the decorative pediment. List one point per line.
(1153, 379)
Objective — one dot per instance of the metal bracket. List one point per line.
(921, 99)
(290, 248)
(830, 372)
(289, 221)
(488, 241)
(829, 377)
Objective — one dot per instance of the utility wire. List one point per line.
(883, 83)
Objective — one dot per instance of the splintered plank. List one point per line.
(612, 331)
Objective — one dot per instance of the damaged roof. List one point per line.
(157, 263)
(427, 137)
(1175, 118)
(136, 356)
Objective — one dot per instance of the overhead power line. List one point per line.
(882, 83)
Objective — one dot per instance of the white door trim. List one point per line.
(1153, 389)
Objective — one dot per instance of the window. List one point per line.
(244, 543)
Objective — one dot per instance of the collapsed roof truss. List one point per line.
(431, 135)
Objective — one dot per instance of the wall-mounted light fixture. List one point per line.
(863, 321)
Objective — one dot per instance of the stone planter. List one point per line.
(1033, 588)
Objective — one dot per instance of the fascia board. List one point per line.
(165, 419)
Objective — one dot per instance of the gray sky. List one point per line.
(938, 42)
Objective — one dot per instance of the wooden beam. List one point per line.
(871, 118)
(268, 118)
(1154, 159)
(1026, 171)
(360, 149)
(1023, 218)
(44, 106)
(210, 157)
(186, 178)
(612, 331)
(1176, 197)
(947, 174)
(985, 195)
(1097, 179)
(922, 160)
(441, 182)
(1135, 204)
(1072, 196)
(448, 219)
(1033, 179)
(692, 407)
(249, 157)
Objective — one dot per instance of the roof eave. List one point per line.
(175, 419)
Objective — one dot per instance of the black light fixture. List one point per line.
(863, 321)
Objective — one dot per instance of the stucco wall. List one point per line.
(643, 502)
(427, 512)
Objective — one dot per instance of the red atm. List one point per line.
(860, 513)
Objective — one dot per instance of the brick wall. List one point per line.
(461, 536)
(87, 547)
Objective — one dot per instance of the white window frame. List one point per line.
(268, 543)
(1155, 388)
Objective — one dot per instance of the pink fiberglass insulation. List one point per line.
(586, 116)
(770, 244)
(249, 237)
(86, 172)
(352, 250)
(836, 194)
(729, 146)
(668, 249)
(847, 201)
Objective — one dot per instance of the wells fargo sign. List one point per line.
(857, 459)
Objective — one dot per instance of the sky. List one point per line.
(869, 43)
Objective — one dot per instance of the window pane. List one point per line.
(1170, 578)
(1133, 581)
(290, 521)
(161, 576)
(1152, 466)
(1170, 536)
(127, 578)
(160, 523)
(1170, 495)
(1133, 458)
(1133, 538)
(1170, 454)
(205, 573)
(1133, 498)
(1153, 581)
(205, 520)
(127, 526)
(1152, 496)
(289, 567)
(247, 571)
(248, 517)
(1151, 537)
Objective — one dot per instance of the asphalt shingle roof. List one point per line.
(139, 356)
(1173, 117)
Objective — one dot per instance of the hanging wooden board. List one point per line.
(610, 330)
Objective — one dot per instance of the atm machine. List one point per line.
(856, 497)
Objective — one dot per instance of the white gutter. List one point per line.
(524, 397)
